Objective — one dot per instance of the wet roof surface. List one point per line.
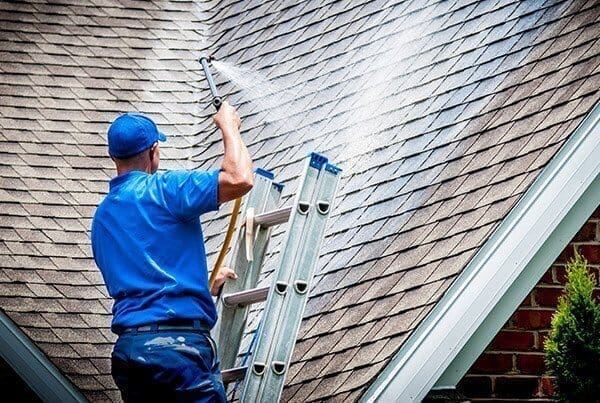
(440, 113)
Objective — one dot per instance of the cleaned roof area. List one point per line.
(441, 113)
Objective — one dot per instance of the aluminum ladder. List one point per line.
(286, 297)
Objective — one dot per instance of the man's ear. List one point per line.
(152, 150)
(154, 157)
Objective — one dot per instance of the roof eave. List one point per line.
(505, 269)
(30, 363)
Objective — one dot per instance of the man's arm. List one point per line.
(236, 176)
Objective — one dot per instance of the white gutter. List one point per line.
(500, 275)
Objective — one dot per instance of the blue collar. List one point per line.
(118, 180)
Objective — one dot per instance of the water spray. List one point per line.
(217, 101)
(205, 62)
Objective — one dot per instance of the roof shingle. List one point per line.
(441, 114)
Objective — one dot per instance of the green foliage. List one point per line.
(573, 346)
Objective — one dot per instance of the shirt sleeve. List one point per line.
(189, 194)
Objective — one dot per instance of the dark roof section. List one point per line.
(441, 114)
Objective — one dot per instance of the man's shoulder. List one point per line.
(174, 173)
(181, 175)
(98, 217)
(100, 207)
(103, 208)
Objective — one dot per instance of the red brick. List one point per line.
(522, 338)
(513, 340)
(586, 233)
(542, 336)
(566, 255)
(561, 274)
(516, 387)
(531, 364)
(527, 301)
(476, 386)
(493, 363)
(591, 252)
(547, 386)
(545, 296)
(596, 213)
(547, 277)
(529, 319)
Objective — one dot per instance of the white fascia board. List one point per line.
(566, 192)
(519, 289)
(30, 363)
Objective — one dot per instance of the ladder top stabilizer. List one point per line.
(319, 161)
(334, 169)
(266, 173)
(269, 175)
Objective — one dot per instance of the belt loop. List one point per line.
(197, 325)
(154, 327)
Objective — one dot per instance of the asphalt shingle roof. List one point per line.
(66, 71)
(441, 113)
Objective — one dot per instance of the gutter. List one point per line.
(443, 347)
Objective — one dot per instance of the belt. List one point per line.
(179, 325)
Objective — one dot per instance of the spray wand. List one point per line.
(205, 62)
(217, 102)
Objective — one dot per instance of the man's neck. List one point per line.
(125, 169)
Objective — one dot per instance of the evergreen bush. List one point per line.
(573, 345)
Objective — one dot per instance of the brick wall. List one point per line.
(512, 367)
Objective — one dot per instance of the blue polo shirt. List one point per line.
(148, 243)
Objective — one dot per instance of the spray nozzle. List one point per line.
(208, 58)
(205, 62)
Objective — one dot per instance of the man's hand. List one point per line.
(224, 274)
(227, 118)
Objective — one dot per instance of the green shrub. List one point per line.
(573, 345)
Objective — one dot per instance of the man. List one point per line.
(148, 243)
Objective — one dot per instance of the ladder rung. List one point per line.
(233, 374)
(274, 217)
(246, 297)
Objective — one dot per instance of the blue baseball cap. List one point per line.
(132, 133)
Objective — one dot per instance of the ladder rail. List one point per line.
(273, 342)
(265, 375)
(229, 330)
(266, 332)
(298, 293)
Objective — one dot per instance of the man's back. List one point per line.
(147, 242)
